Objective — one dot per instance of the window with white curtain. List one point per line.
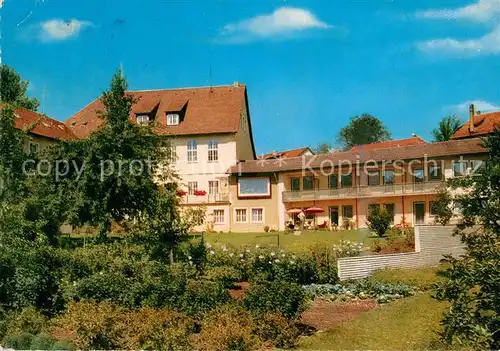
(257, 215)
(241, 215)
(142, 119)
(192, 187)
(213, 187)
(192, 151)
(213, 151)
(218, 216)
(172, 119)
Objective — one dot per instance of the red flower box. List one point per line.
(181, 193)
(200, 192)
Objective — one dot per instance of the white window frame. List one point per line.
(213, 151)
(37, 146)
(236, 215)
(143, 119)
(267, 194)
(173, 119)
(192, 187)
(192, 151)
(212, 187)
(173, 153)
(223, 221)
(464, 163)
(262, 220)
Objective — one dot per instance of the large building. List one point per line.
(345, 186)
(209, 129)
(42, 131)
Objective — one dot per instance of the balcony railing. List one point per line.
(205, 199)
(363, 191)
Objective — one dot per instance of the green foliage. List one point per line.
(472, 282)
(364, 129)
(360, 289)
(398, 240)
(42, 341)
(447, 127)
(421, 278)
(21, 341)
(277, 330)
(379, 220)
(322, 148)
(442, 207)
(63, 345)
(276, 296)
(13, 89)
(225, 275)
(228, 327)
(202, 296)
(347, 248)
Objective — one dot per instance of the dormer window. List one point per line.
(142, 120)
(173, 119)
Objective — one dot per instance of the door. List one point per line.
(419, 212)
(334, 215)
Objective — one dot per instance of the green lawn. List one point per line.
(289, 240)
(407, 324)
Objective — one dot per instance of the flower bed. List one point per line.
(362, 289)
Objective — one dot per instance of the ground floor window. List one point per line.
(241, 215)
(390, 208)
(219, 216)
(347, 212)
(433, 208)
(257, 215)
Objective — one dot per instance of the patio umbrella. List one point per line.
(314, 210)
(293, 211)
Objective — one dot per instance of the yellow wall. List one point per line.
(270, 209)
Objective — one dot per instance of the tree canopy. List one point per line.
(447, 127)
(13, 89)
(364, 129)
(322, 148)
(473, 281)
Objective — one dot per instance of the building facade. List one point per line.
(346, 186)
(209, 130)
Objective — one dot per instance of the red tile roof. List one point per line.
(285, 154)
(415, 140)
(450, 148)
(483, 124)
(42, 125)
(208, 110)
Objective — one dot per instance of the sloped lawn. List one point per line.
(408, 324)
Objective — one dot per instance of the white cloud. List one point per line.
(282, 22)
(56, 29)
(480, 11)
(480, 105)
(487, 44)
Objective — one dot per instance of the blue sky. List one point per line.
(309, 65)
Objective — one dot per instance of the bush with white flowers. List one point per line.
(347, 248)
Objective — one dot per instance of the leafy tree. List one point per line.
(379, 220)
(364, 129)
(323, 148)
(442, 206)
(122, 165)
(13, 89)
(447, 127)
(473, 281)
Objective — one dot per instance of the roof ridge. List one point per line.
(189, 88)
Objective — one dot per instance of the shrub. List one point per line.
(28, 320)
(276, 296)
(42, 341)
(151, 329)
(346, 248)
(266, 228)
(201, 296)
(63, 345)
(226, 275)
(21, 341)
(379, 220)
(90, 325)
(275, 329)
(228, 327)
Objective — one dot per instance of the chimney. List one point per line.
(236, 84)
(471, 119)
